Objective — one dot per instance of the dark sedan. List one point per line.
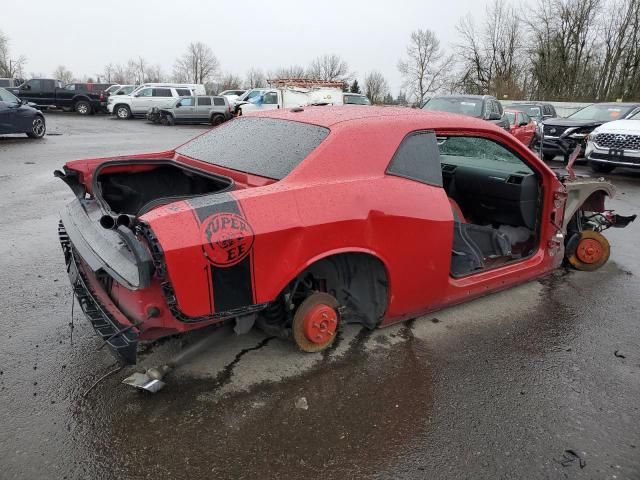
(484, 107)
(561, 135)
(18, 117)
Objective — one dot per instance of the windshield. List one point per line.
(112, 88)
(8, 97)
(530, 110)
(469, 106)
(356, 100)
(261, 146)
(512, 117)
(601, 113)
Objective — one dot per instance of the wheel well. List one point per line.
(81, 99)
(358, 280)
(121, 105)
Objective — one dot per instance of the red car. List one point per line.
(521, 126)
(300, 220)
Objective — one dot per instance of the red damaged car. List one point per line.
(521, 126)
(301, 220)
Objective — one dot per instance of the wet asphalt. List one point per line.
(540, 381)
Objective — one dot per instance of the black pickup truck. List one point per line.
(46, 92)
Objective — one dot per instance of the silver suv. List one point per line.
(195, 109)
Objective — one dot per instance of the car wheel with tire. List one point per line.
(601, 167)
(38, 128)
(123, 112)
(82, 107)
(217, 120)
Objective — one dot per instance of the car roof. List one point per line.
(411, 118)
(463, 95)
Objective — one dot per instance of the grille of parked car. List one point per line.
(553, 131)
(617, 140)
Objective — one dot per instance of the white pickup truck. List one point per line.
(291, 97)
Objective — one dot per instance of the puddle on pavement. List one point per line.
(345, 431)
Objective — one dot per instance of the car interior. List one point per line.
(494, 197)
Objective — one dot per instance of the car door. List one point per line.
(31, 91)
(270, 101)
(162, 97)
(203, 109)
(185, 110)
(6, 112)
(142, 100)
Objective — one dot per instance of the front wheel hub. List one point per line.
(320, 323)
(589, 250)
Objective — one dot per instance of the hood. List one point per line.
(620, 126)
(569, 122)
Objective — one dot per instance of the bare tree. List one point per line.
(63, 74)
(197, 65)
(564, 36)
(229, 81)
(10, 67)
(329, 67)
(293, 71)
(108, 72)
(492, 56)
(425, 68)
(255, 78)
(375, 87)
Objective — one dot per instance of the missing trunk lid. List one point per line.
(151, 184)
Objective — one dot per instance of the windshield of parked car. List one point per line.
(463, 105)
(512, 117)
(601, 113)
(530, 110)
(8, 97)
(356, 100)
(266, 147)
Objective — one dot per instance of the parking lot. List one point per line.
(540, 381)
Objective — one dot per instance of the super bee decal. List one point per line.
(227, 242)
(226, 238)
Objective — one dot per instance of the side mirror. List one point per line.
(494, 116)
(26, 87)
(178, 105)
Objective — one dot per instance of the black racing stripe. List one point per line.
(231, 287)
(209, 205)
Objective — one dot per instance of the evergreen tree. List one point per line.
(355, 88)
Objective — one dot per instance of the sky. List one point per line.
(369, 35)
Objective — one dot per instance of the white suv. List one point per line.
(143, 99)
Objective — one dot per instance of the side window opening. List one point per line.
(495, 200)
(417, 158)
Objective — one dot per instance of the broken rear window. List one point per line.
(261, 146)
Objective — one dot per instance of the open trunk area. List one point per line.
(143, 187)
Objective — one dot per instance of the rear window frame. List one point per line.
(315, 134)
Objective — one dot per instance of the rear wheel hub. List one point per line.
(320, 323)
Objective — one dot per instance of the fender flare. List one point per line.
(580, 191)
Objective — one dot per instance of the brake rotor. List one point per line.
(315, 322)
(591, 251)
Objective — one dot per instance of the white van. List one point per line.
(291, 97)
(147, 96)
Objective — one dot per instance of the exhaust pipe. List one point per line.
(151, 380)
(109, 222)
(124, 221)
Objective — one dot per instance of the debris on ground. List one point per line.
(302, 403)
(618, 354)
(570, 457)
